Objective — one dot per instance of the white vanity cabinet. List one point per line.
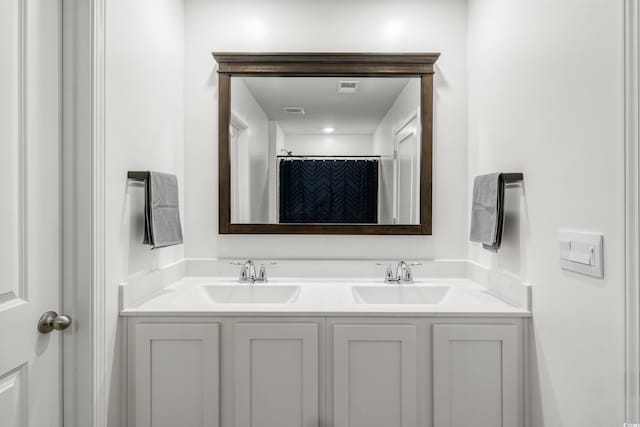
(375, 375)
(225, 371)
(326, 372)
(477, 375)
(276, 374)
(174, 375)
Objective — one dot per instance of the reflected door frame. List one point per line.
(240, 196)
(409, 129)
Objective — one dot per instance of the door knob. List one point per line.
(50, 321)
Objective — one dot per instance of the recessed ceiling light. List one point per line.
(328, 130)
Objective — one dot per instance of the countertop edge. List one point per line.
(273, 313)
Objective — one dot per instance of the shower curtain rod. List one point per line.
(329, 157)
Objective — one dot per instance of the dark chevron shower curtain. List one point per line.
(329, 191)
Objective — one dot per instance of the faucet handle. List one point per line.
(244, 275)
(389, 275)
(407, 276)
(262, 274)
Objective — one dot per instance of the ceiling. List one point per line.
(358, 113)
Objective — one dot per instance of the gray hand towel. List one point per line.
(161, 212)
(487, 211)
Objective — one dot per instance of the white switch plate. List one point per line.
(581, 252)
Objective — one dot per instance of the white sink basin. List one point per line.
(399, 294)
(251, 294)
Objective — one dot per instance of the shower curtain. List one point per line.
(329, 191)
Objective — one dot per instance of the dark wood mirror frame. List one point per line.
(325, 65)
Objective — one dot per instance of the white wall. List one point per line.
(546, 99)
(256, 138)
(329, 145)
(406, 105)
(144, 131)
(332, 25)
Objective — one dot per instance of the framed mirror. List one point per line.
(325, 143)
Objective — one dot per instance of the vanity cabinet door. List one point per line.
(176, 375)
(276, 375)
(476, 376)
(374, 375)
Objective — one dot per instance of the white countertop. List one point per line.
(330, 297)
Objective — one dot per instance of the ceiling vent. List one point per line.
(348, 86)
(293, 110)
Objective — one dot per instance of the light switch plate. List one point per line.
(581, 252)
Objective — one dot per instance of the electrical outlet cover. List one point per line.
(582, 252)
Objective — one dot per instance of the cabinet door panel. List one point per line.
(374, 375)
(276, 374)
(475, 376)
(176, 375)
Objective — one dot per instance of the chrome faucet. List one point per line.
(402, 273)
(248, 272)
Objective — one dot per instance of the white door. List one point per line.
(30, 65)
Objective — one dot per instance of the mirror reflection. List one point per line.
(325, 150)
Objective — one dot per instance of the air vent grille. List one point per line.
(293, 110)
(348, 86)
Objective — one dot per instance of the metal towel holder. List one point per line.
(142, 176)
(511, 178)
(505, 178)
